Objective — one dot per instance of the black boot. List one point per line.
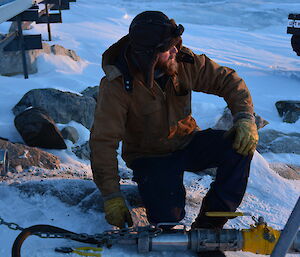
(203, 221)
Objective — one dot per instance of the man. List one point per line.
(145, 102)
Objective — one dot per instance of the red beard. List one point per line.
(169, 67)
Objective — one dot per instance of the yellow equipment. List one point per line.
(259, 239)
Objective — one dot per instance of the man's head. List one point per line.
(155, 40)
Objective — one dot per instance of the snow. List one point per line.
(249, 36)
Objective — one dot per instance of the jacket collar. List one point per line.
(109, 58)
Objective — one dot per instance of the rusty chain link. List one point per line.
(107, 237)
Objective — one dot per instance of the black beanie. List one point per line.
(151, 32)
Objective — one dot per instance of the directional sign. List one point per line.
(31, 15)
(52, 18)
(30, 41)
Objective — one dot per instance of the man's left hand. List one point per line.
(246, 136)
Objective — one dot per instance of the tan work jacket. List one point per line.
(152, 122)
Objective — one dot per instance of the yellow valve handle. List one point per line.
(80, 251)
(226, 214)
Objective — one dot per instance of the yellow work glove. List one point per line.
(245, 136)
(117, 213)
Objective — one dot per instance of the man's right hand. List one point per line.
(117, 213)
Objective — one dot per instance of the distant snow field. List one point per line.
(249, 36)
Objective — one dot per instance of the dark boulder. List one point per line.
(289, 110)
(295, 42)
(226, 121)
(287, 171)
(83, 151)
(278, 142)
(38, 129)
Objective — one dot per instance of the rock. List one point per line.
(92, 201)
(38, 129)
(139, 217)
(4, 162)
(25, 156)
(71, 192)
(131, 193)
(210, 171)
(62, 107)
(287, 171)
(19, 168)
(11, 62)
(74, 192)
(295, 42)
(70, 133)
(125, 173)
(289, 110)
(91, 92)
(278, 142)
(60, 50)
(226, 121)
(83, 151)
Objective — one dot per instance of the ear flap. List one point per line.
(179, 44)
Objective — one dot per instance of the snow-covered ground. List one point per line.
(249, 36)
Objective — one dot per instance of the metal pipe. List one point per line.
(3, 162)
(48, 22)
(211, 240)
(289, 233)
(22, 46)
(198, 240)
(295, 246)
(175, 241)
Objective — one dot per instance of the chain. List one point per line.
(108, 237)
(11, 225)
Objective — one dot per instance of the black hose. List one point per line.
(16, 249)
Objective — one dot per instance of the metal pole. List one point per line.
(22, 46)
(48, 22)
(289, 232)
(3, 162)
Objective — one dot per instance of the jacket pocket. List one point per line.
(151, 107)
(155, 124)
(180, 105)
